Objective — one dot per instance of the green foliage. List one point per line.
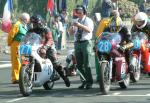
(128, 8)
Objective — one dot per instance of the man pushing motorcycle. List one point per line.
(48, 47)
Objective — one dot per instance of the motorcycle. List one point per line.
(139, 40)
(35, 71)
(113, 66)
(70, 66)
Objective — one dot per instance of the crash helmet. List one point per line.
(141, 19)
(37, 21)
(116, 24)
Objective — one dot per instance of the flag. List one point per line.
(6, 20)
(85, 3)
(50, 6)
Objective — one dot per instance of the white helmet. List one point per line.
(141, 20)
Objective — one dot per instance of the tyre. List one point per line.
(25, 82)
(104, 79)
(48, 85)
(125, 83)
(135, 71)
(135, 75)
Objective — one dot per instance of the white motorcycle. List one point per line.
(35, 71)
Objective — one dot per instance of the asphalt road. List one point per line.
(9, 93)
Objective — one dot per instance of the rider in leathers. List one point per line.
(116, 25)
(142, 24)
(48, 47)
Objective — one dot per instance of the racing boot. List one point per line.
(59, 69)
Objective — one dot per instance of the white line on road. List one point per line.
(148, 94)
(5, 61)
(117, 93)
(127, 95)
(14, 100)
(5, 65)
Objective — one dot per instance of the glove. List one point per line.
(121, 49)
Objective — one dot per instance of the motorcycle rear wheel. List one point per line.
(25, 82)
(104, 79)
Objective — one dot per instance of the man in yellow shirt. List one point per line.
(15, 36)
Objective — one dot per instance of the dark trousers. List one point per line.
(83, 52)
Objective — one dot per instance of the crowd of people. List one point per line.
(82, 28)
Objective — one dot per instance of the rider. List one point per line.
(112, 24)
(116, 25)
(142, 24)
(39, 27)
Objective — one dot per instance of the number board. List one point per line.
(104, 46)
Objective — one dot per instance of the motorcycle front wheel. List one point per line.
(48, 85)
(104, 78)
(25, 82)
(125, 83)
(135, 72)
(135, 75)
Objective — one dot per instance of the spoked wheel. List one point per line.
(48, 85)
(135, 74)
(125, 83)
(25, 82)
(104, 78)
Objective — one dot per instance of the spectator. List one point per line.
(64, 20)
(55, 34)
(60, 29)
(15, 36)
(106, 8)
(142, 7)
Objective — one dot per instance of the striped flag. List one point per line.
(6, 20)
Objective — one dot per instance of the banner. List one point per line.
(6, 20)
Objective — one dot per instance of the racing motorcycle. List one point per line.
(113, 66)
(139, 40)
(35, 71)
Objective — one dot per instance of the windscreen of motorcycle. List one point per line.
(138, 38)
(108, 41)
(32, 39)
